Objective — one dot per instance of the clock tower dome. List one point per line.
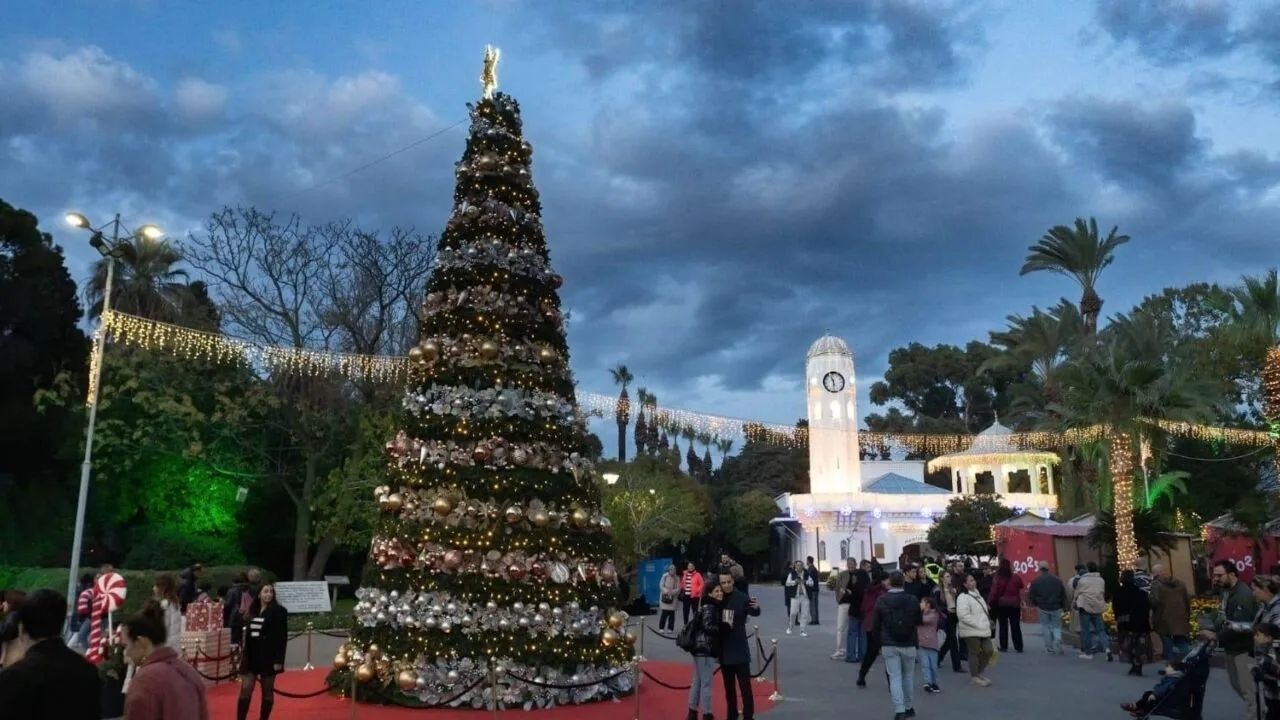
(831, 391)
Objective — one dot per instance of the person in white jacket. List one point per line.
(1090, 601)
(799, 601)
(973, 626)
(165, 592)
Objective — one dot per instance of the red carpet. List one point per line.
(655, 701)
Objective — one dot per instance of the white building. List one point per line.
(883, 508)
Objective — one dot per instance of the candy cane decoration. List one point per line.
(110, 596)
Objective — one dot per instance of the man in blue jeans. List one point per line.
(896, 617)
(1090, 602)
(1048, 596)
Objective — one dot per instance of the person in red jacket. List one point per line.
(1006, 604)
(690, 590)
(164, 687)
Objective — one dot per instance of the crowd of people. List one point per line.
(44, 674)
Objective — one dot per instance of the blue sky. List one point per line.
(721, 181)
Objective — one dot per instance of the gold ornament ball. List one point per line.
(395, 501)
(630, 638)
(609, 637)
(546, 355)
(442, 506)
(540, 518)
(481, 453)
(373, 651)
(364, 673)
(430, 350)
(415, 353)
(340, 661)
(514, 514)
(579, 517)
(616, 620)
(407, 680)
(488, 349)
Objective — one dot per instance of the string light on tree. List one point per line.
(1120, 462)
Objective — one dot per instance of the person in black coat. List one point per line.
(735, 653)
(706, 650)
(812, 586)
(49, 680)
(189, 590)
(1132, 608)
(265, 635)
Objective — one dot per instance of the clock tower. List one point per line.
(831, 392)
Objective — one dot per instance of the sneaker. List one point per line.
(862, 682)
(932, 689)
(1086, 656)
(837, 656)
(977, 681)
(1110, 657)
(804, 634)
(986, 681)
(788, 631)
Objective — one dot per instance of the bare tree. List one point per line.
(319, 287)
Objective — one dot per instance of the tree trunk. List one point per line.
(1090, 309)
(1121, 465)
(321, 558)
(622, 441)
(302, 529)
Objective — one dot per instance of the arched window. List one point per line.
(844, 549)
(822, 551)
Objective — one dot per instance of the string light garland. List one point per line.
(95, 359)
(1121, 465)
(1271, 394)
(192, 344)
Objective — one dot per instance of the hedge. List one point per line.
(138, 582)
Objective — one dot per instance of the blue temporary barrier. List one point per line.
(651, 571)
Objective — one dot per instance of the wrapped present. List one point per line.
(204, 616)
(209, 652)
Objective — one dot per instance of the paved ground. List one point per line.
(1030, 685)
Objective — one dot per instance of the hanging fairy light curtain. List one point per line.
(191, 344)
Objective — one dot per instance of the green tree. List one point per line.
(1255, 326)
(744, 522)
(652, 505)
(1042, 343)
(149, 283)
(1080, 254)
(43, 358)
(769, 467)
(965, 528)
(490, 512)
(1151, 531)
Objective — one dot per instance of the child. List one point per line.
(1266, 666)
(927, 639)
(1172, 673)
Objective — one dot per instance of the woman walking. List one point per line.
(799, 607)
(706, 651)
(855, 643)
(1006, 603)
(927, 641)
(669, 588)
(1132, 609)
(974, 628)
(879, 586)
(165, 592)
(948, 592)
(164, 687)
(265, 635)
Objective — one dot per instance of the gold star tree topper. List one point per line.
(489, 78)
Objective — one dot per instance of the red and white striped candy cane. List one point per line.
(97, 639)
(110, 597)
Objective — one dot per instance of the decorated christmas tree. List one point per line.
(491, 552)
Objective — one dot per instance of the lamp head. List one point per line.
(150, 232)
(611, 478)
(75, 219)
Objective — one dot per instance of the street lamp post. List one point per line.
(109, 251)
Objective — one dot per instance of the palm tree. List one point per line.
(641, 435)
(1255, 326)
(1081, 255)
(1043, 342)
(1120, 384)
(622, 376)
(147, 281)
(724, 445)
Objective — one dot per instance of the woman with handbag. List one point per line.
(1006, 602)
(669, 589)
(1132, 609)
(705, 648)
(974, 628)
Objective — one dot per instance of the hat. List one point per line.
(1044, 565)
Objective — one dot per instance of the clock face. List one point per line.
(833, 382)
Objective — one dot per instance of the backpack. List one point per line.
(899, 623)
(686, 639)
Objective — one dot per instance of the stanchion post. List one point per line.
(759, 656)
(644, 626)
(352, 716)
(777, 689)
(637, 660)
(493, 689)
(310, 628)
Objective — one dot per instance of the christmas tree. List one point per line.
(491, 551)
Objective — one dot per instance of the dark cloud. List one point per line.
(1170, 31)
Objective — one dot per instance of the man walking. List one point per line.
(43, 677)
(1171, 609)
(844, 594)
(735, 654)
(1048, 595)
(1235, 634)
(811, 583)
(897, 615)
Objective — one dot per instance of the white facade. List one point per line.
(862, 508)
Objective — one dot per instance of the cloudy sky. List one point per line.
(722, 181)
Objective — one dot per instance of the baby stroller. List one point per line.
(1185, 700)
